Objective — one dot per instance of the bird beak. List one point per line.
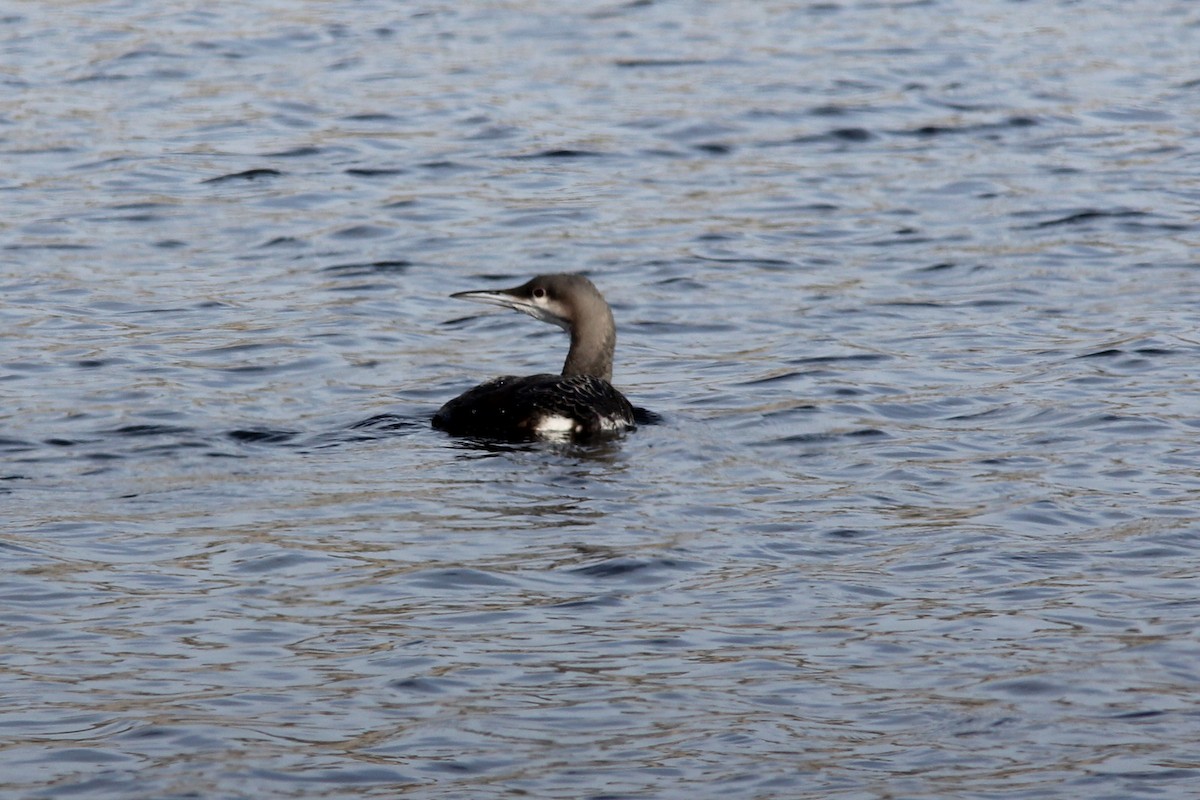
(507, 298)
(497, 298)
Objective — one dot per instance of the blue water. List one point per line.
(912, 286)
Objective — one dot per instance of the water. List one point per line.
(913, 287)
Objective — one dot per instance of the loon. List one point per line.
(579, 403)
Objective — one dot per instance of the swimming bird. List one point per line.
(579, 403)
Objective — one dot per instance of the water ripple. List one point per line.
(913, 512)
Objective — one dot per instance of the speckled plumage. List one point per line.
(525, 407)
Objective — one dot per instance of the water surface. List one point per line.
(913, 287)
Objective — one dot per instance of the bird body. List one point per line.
(579, 403)
(537, 405)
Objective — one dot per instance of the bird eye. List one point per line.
(539, 293)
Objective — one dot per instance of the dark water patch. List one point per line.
(170, 447)
(928, 131)
(1088, 215)
(1169, 227)
(456, 578)
(866, 433)
(996, 412)
(714, 148)
(782, 377)
(675, 327)
(446, 166)
(991, 302)
(682, 284)
(378, 116)
(1135, 715)
(797, 410)
(389, 423)
(358, 270)
(362, 287)
(242, 347)
(1110, 352)
(99, 77)
(633, 569)
(698, 132)
(912, 304)
(1048, 561)
(284, 241)
(493, 133)
(463, 768)
(361, 232)
(424, 685)
(63, 246)
(1149, 775)
(375, 172)
(849, 534)
(849, 358)
(1136, 113)
(147, 52)
(851, 135)
(148, 430)
(147, 205)
(87, 755)
(246, 175)
(824, 437)
(560, 153)
(103, 163)
(27, 366)
(37, 151)
(1152, 553)
(60, 442)
(1047, 514)
(262, 435)
(640, 63)
(906, 237)
(358, 776)
(295, 365)
(1027, 687)
(298, 152)
(751, 261)
(274, 563)
(620, 9)
(1119, 423)
(661, 152)
(832, 110)
(126, 218)
(597, 602)
(550, 216)
(151, 732)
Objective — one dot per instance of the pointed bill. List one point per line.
(507, 299)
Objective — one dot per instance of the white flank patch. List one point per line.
(612, 424)
(555, 423)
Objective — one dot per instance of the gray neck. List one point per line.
(593, 339)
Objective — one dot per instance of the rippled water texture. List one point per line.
(913, 287)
